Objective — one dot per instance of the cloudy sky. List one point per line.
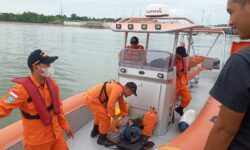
(212, 11)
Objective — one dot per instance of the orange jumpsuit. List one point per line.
(36, 135)
(181, 83)
(101, 112)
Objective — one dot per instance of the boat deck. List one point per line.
(83, 141)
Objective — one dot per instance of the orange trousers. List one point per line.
(58, 144)
(183, 91)
(101, 117)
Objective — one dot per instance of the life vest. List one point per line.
(43, 111)
(149, 121)
(104, 91)
(181, 67)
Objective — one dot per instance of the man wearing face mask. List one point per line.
(38, 98)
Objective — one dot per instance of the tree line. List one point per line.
(32, 17)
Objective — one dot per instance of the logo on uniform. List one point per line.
(9, 99)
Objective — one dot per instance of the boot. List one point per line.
(179, 110)
(95, 131)
(102, 140)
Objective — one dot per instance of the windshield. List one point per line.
(150, 60)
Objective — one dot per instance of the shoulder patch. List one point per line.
(9, 99)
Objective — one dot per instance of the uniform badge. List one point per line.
(9, 99)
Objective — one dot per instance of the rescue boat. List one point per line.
(155, 78)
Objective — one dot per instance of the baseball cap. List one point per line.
(132, 86)
(181, 51)
(39, 56)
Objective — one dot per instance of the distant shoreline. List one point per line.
(91, 26)
(18, 22)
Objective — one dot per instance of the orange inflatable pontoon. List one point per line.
(195, 137)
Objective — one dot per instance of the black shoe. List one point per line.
(102, 140)
(179, 110)
(95, 131)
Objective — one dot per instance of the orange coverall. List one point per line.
(36, 135)
(101, 112)
(181, 83)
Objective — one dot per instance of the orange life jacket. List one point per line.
(181, 67)
(149, 121)
(103, 96)
(43, 111)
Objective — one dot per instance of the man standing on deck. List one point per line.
(182, 80)
(101, 100)
(232, 89)
(38, 98)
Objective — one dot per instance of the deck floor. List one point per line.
(83, 141)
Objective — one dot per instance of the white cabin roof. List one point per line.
(154, 25)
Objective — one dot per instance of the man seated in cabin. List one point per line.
(101, 100)
(134, 41)
(182, 80)
(134, 52)
(38, 98)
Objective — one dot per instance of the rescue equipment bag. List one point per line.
(141, 144)
(149, 122)
(187, 119)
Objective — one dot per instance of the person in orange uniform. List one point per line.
(38, 98)
(134, 41)
(182, 79)
(101, 100)
(134, 52)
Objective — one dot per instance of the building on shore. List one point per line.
(88, 24)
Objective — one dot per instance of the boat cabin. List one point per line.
(153, 67)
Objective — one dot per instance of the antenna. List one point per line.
(203, 12)
(209, 19)
(61, 9)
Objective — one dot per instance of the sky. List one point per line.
(208, 12)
